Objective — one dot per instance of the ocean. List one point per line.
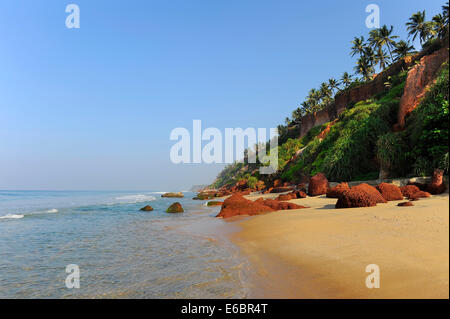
(121, 252)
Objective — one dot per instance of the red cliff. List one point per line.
(432, 58)
(420, 77)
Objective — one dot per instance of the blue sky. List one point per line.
(93, 108)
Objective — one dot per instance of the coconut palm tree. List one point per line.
(381, 58)
(313, 99)
(333, 85)
(439, 26)
(305, 106)
(417, 26)
(346, 79)
(387, 38)
(364, 66)
(297, 115)
(325, 91)
(358, 46)
(445, 13)
(402, 49)
(378, 38)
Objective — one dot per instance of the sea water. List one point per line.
(121, 252)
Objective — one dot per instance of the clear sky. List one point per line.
(93, 108)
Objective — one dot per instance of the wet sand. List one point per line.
(322, 252)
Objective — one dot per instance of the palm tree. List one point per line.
(445, 13)
(333, 84)
(358, 46)
(439, 25)
(313, 99)
(402, 49)
(325, 91)
(346, 79)
(417, 26)
(297, 115)
(381, 58)
(387, 39)
(305, 106)
(378, 39)
(364, 66)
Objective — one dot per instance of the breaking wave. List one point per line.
(131, 199)
(12, 216)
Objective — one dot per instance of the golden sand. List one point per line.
(322, 252)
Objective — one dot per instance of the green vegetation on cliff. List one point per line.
(361, 142)
(348, 151)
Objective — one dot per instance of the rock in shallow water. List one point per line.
(147, 208)
(175, 208)
(214, 203)
(173, 195)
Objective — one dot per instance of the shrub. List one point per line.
(427, 128)
(390, 153)
(251, 182)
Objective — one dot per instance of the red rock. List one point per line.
(355, 198)
(437, 185)
(285, 197)
(405, 204)
(301, 187)
(417, 82)
(318, 185)
(362, 195)
(419, 194)
(421, 186)
(238, 205)
(336, 191)
(390, 191)
(260, 185)
(409, 190)
(277, 205)
(277, 183)
(300, 194)
(372, 191)
(147, 208)
(281, 189)
(413, 192)
(287, 206)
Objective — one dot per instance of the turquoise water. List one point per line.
(121, 252)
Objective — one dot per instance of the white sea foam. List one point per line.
(53, 211)
(13, 216)
(131, 199)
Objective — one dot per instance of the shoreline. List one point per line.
(322, 252)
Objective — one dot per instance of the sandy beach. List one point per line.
(322, 252)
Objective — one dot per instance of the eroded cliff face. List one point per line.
(419, 79)
(432, 58)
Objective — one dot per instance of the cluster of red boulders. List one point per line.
(241, 187)
(362, 195)
(236, 205)
(365, 195)
(292, 195)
